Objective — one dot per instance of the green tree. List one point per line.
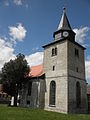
(14, 75)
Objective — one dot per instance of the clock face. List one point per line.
(65, 33)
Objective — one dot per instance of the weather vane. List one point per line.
(64, 6)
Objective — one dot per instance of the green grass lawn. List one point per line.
(12, 113)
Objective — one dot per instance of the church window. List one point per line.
(78, 95)
(29, 88)
(52, 93)
(53, 68)
(54, 51)
(76, 52)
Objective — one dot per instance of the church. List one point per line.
(59, 83)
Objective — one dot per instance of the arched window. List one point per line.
(78, 95)
(52, 93)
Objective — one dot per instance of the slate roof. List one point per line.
(64, 23)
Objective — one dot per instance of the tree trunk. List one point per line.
(15, 100)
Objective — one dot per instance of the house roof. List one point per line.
(36, 71)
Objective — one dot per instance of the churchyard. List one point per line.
(17, 113)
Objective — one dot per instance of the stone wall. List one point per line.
(59, 75)
(36, 99)
(68, 70)
(75, 62)
(72, 96)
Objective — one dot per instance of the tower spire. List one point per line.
(64, 23)
(64, 29)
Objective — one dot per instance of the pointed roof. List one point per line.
(64, 23)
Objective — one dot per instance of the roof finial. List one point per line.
(64, 9)
(64, 23)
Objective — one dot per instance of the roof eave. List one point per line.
(61, 40)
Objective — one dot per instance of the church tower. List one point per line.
(64, 69)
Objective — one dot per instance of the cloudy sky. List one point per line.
(27, 25)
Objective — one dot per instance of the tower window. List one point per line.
(53, 68)
(76, 52)
(52, 93)
(54, 51)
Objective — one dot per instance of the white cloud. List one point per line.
(17, 33)
(35, 59)
(81, 34)
(6, 48)
(6, 52)
(17, 2)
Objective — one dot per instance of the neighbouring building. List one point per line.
(4, 97)
(33, 92)
(59, 84)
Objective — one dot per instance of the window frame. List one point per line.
(52, 94)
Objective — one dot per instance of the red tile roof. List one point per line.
(36, 71)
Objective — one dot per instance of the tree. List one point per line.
(13, 76)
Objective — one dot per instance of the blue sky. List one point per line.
(26, 25)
